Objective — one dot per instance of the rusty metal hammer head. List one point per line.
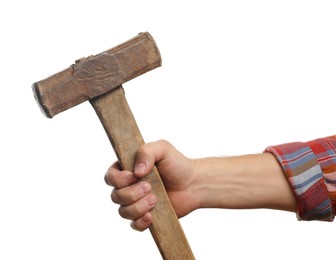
(96, 75)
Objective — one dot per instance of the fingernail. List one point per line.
(140, 168)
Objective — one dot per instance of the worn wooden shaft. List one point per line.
(125, 137)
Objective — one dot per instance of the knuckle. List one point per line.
(163, 142)
(138, 209)
(133, 194)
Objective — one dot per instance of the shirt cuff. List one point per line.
(311, 171)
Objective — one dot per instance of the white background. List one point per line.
(237, 76)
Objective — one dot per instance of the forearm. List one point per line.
(243, 182)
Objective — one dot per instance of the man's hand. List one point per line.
(134, 196)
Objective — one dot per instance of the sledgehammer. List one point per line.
(98, 79)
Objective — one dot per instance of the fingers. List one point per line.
(138, 209)
(117, 178)
(135, 198)
(143, 222)
(135, 201)
(146, 157)
(130, 194)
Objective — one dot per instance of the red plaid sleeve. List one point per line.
(311, 171)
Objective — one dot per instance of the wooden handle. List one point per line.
(125, 137)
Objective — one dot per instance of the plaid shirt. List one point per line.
(311, 170)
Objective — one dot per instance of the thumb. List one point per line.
(148, 155)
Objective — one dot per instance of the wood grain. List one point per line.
(125, 137)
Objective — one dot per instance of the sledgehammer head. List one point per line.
(96, 75)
